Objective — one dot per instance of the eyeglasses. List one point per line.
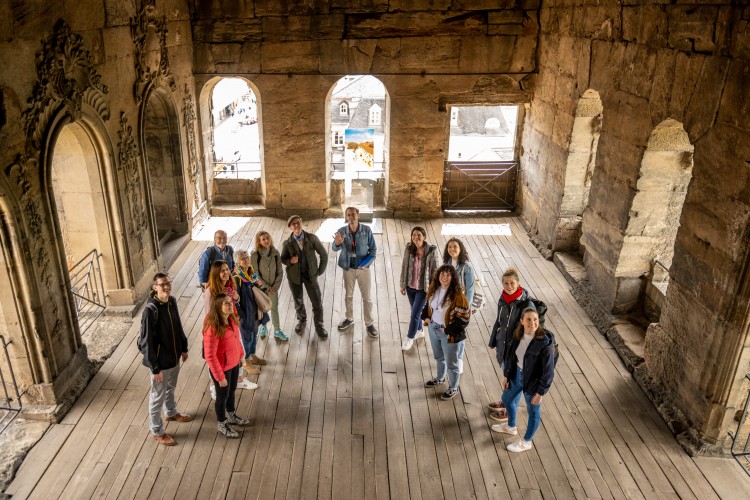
(164, 284)
(246, 257)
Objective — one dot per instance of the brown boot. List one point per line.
(257, 360)
(251, 369)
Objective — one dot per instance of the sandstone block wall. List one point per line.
(652, 62)
(428, 54)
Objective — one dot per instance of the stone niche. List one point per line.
(424, 57)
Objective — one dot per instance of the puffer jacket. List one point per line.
(538, 363)
(429, 264)
(268, 268)
(222, 354)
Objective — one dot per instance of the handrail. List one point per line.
(236, 169)
(739, 456)
(8, 400)
(87, 286)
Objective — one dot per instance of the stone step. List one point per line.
(571, 266)
(629, 341)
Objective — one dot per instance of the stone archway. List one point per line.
(162, 152)
(579, 170)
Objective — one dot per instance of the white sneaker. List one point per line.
(419, 335)
(407, 344)
(460, 366)
(505, 429)
(246, 384)
(212, 390)
(520, 445)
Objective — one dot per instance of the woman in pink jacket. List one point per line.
(222, 349)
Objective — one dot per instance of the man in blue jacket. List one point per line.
(358, 251)
(219, 251)
(163, 344)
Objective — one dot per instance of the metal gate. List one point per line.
(479, 186)
(741, 451)
(88, 289)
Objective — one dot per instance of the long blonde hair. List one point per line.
(258, 236)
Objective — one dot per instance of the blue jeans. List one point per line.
(445, 354)
(511, 398)
(417, 300)
(249, 341)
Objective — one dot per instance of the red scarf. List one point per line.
(510, 298)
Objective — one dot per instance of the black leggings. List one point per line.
(225, 395)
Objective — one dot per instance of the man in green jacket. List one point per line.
(303, 269)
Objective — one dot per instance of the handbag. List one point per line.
(262, 301)
(478, 301)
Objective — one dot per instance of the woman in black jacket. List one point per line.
(529, 369)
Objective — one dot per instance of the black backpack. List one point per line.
(140, 342)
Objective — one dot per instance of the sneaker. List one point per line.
(499, 416)
(299, 328)
(233, 419)
(251, 369)
(212, 390)
(257, 360)
(372, 331)
(449, 394)
(180, 417)
(519, 446)
(407, 344)
(505, 429)
(224, 428)
(165, 439)
(496, 405)
(322, 333)
(434, 381)
(246, 384)
(279, 335)
(419, 335)
(345, 324)
(460, 366)
(263, 331)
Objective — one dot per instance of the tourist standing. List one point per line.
(529, 370)
(222, 349)
(218, 251)
(456, 255)
(266, 261)
(163, 343)
(417, 267)
(245, 278)
(358, 250)
(446, 315)
(303, 267)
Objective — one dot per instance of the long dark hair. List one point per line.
(453, 289)
(411, 246)
(214, 320)
(462, 255)
(538, 334)
(214, 277)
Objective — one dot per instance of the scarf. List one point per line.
(246, 277)
(510, 298)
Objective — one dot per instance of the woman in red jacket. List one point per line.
(222, 348)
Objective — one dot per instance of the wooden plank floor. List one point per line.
(348, 417)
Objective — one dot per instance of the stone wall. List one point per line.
(429, 54)
(652, 62)
(88, 65)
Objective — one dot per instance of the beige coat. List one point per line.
(268, 268)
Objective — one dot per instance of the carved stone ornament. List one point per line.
(189, 117)
(65, 78)
(132, 188)
(148, 30)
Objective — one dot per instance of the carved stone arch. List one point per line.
(149, 34)
(195, 173)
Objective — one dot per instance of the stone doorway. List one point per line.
(162, 151)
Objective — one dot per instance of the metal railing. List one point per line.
(11, 402)
(742, 455)
(236, 169)
(87, 286)
(479, 185)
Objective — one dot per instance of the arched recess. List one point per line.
(666, 171)
(358, 159)
(230, 179)
(81, 195)
(579, 170)
(162, 151)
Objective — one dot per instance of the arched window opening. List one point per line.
(358, 117)
(161, 141)
(236, 133)
(579, 170)
(666, 171)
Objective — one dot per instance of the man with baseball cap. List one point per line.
(302, 270)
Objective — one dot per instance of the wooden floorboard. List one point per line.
(348, 416)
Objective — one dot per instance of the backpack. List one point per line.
(140, 342)
(555, 353)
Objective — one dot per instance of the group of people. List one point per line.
(441, 299)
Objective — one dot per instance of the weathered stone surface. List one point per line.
(686, 74)
(735, 100)
(228, 30)
(357, 56)
(15, 443)
(601, 239)
(359, 5)
(295, 7)
(629, 341)
(646, 24)
(433, 54)
(417, 24)
(691, 27)
(296, 57)
(295, 28)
